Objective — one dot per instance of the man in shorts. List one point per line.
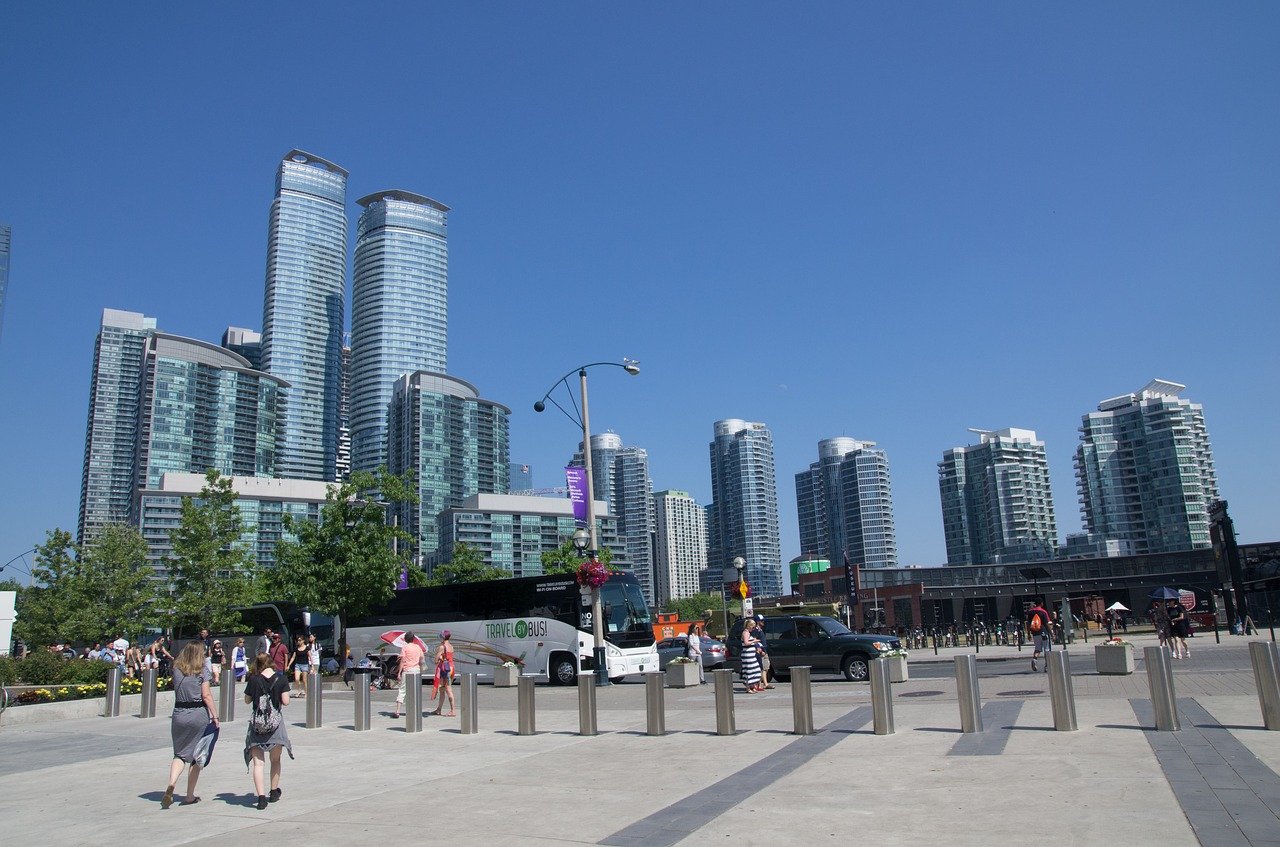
(765, 665)
(1040, 624)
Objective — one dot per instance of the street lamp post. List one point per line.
(22, 569)
(583, 419)
(734, 571)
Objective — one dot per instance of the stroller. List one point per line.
(385, 671)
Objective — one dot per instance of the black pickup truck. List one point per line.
(823, 644)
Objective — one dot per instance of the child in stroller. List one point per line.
(386, 671)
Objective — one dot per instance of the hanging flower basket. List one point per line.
(592, 574)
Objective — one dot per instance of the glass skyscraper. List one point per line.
(6, 246)
(456, 444)
(106, 484)
(844, 505)
(620, 477)
(743, 517)
(303, 312)
(681, 545)
(997, 507)
(399, 309)
(1145, 471)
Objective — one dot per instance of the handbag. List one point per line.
(204, 746)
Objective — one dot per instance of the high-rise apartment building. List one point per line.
(457, 445)
(6, 247)
(303, 309)
(844, 505)
(997, 507)
(1144, 470)
(681, 545)
(246, 343)
(160, 403)
(399, 309)
(106, 484)
(620, 477)
(342, 468)
(743, 517)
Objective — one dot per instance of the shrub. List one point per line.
(45, 668)
(80, 672)
(8, 670)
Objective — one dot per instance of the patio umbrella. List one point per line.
(1117, 607)
(1164, 594)
(395, 638)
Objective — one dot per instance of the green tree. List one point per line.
(118, 583)
(466, 565)
(345, 564)
(56, 597)
(565, 558)
(696, 608)
(213, 571)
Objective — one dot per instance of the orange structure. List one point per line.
(670, 625)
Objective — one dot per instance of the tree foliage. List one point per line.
(89, 593)
(345, 565)
(565, 558)
(698, 607)
(212, 570)
(466, 565)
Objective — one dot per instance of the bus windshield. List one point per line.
(625, 609)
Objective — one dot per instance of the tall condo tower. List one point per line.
(996, 504)
(399, 309)
(743, 517)
(303, 311)
(620, 477)
(6, 245)
(106, 484)
(681, 542)
(844, 505)
(456, 443)
(1145, 471)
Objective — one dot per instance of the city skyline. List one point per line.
(1066, 230)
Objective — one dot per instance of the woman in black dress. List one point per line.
(1179, 629)
(266, 690)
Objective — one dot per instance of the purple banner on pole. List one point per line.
(577, 478)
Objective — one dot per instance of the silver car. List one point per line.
(672, 648)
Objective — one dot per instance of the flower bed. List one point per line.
(60, 693)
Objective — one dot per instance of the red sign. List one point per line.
(1187, 599)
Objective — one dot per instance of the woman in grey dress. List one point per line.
(193, 709)
(266, 688)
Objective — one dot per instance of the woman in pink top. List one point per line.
(411, 659)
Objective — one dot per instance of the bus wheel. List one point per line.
(562, 669)
(617, 680)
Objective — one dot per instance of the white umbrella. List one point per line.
(1117, 607)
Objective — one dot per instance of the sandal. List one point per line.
(190, 802)
(167, 800)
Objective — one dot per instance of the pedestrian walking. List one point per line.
(217, 658)
(264, 643)
(1041, 627)
(1179, 628)
(193, 710)
(298, 662)
(267, 735)
(693, 650)
(762, 647)
(278, 652)
(750, 658)
(239, 660)
(412, 658)
(445, 672)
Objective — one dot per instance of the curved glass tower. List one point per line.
(303, 314)
(399, 309)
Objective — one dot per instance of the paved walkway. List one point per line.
(97, 780)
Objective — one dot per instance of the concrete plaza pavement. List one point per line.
(1115, 780)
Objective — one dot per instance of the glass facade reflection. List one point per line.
(303, 309)
(399, 309)
(743, 516)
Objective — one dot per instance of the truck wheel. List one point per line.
(855, 668)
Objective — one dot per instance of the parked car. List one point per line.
(824, 644)
(670, 648)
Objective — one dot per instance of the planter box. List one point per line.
(506, 677)
(1113, 660)
(898, 668)
(682, 675)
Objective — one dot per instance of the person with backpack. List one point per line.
(1040, 625)
(268, 693)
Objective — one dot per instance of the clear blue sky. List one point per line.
(887, 221)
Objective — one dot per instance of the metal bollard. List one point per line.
(1265, 657)
(315, 701)
(725, 723)
(655, 704)
(801, 701)
(1062, 696)
(525, 706)
(881, 697)
(111, 709)
(1160, 679)
(148, 708)
(470, 707)
(413, 702)
(360, 682)
(227, 696)
(967, 691)
(587, 704)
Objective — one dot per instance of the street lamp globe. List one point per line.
(581, 539)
